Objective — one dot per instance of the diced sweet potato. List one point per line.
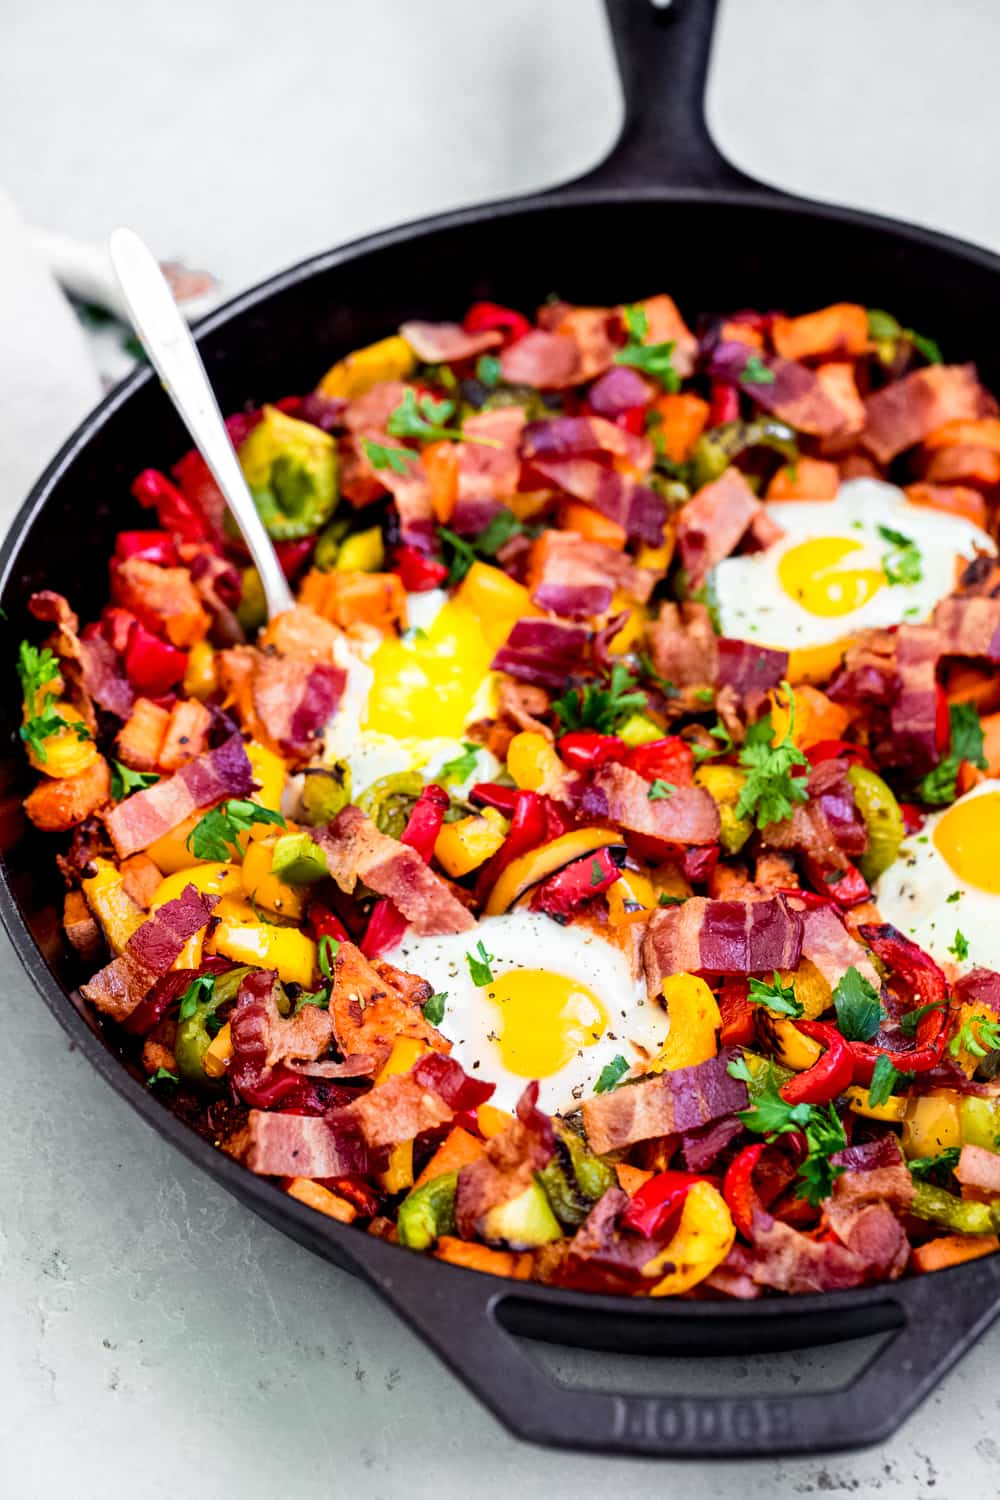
(141, 879)
(186, 734)
(458, 1148)
(956, 499)
(57, 806)
(477, 1257)
(839, 330)
(983, 432)
(141, 736)
(356, 598)
(321, 1199)
(952, 1250)
(684, 417)
(964, 463)
(806, 479)
(631, 1179)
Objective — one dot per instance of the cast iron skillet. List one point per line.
(665, 211)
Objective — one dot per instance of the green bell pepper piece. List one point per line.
(428, 1212)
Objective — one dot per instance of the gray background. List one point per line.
(154, 1337)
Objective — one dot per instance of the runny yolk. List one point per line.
(425, 686)
(812, 575)
(967, 836)
(544, 1020)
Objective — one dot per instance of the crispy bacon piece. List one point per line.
(91, 666)
(145, 816)
(397, 1110)
(284, 701)
(440, 343)
(788, 1261)
(373, 1003)
(602, 1256)
(868, 674)
(585, 437)
(262, 1037)
(827, 944)
(979, 1169)
(979, 987)
(968, 625)
(369, 412)
(749, 668)
(688, 816)
(621, 389)
(547, 361)
(578, 578)
(507, 1167)
(165, 599)
(635, 507)
(117, 989)
(914, 712)
(714, 522)
(663, 1104)
(590, 328)
(485, 470)
(684, 646)
(302, 633)
(544, 653)
(356, 850)
(721, 937)
(291, 1145)
(909, 410)
(823, 403)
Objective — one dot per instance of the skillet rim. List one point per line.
(312, 1230)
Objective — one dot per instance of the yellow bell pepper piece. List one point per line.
(405, 1052)
(212, 879)
(859, 1099)
(107, 898)
(246, 940)
(364, 552)
(534, 764)
(265, 889)
(171, 852)
(220, 1050)
(812, 990)
(816, 664)
(270, 773)
(65, 753)
(933, 1123)
(656, 558)
(496, 599)
(492, 1120)
(694, 1023)
(531, 868)
(388, 359)
(399, 1171)
(321, 1199)
(704, 1238)
(469, 842)
(200, 675)
(634, 628)
(639, 729)
(630, 898)
(790, 1046)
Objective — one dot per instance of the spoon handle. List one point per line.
(175, 358)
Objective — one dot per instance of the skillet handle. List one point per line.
(461, 1315)
(662, 48)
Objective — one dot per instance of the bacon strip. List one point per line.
(583, 437)
(506, 1168)
(827, 944)
(543, 652)
(749, 668)
(714, 522)
(93, 664)
(968, 625)
(689, 815)
(914, 712)
(370, 1006)
(117, 989)
(685, 646)
(485, 470)
(147, 815)
(394, 1111)
(721, 937)
(547, 361)
(356, 850)
(440, 343)
(788, 1261)
(663, 1104)
(286, 1145)
(979, 1169)
(577, 578)
(634, 506)
(909, 410)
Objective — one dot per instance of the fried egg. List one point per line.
(867, 558)
(943, 890)
(560, 1005)
(407, 701)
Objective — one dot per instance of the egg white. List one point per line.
(927, 900)
(752, 602)
(530, 940)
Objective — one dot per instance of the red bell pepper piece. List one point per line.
(492, 794)
(418, 573)
(290, 405)
(838, 749)
(830, 1076)
(670, 759)
(633, 420)
(152, 666)
(151, 546)
(927, 986)
(739, 1191)
(178, 513)
(578, 883)
(657, 1199)
(942, 720)
(293, 556)
(913, 817)
(584, 750)
(322, 922)
(738, 1024)
(482, 317)
(809, 899)
(724, 403)
(697, 864)
(387, 924)
(844, 887)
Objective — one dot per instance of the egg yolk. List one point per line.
(967, 836)
(424, 686)
(812, 574)
(545, 1019)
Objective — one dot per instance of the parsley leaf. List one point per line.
(319, 998)
(884, 1078)
(938, 786)
(886, 330)
(488, 370)
(665, 899)
(465, 550)
(979, 1035)
(124, 780)
(858, 1005)
(960, 947)
(659, 790)
(35, 669)
(935, 1167)
(776, 996)
(432, 1010)
(423, 417)
(817, 1174)
(905, 563)
(909, 1022)
(461, 767)
(600, 707)
(770, 790)
(771, 1116)
(652, 359)
(479, 966)
(662, 684)
(611, 1075)
(756, 372)
(39, 674)
(384, 456)
(726, 745)
(197, 994)
(214, 835)
(162, 1075)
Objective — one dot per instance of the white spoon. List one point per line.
(172, 352)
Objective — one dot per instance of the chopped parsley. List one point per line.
(124, 780)
(771, 1116)
(909, 1022)
(904, 564)
(39, 674)
(770, 790)
(954, 896)
(197, 995)
(488, 370)
(858, 1005)
(162, 1075)
(775, 995)
(939, 786)
(665, 899)
(611, 1075)
(423, 417)
(216, 835)
(660, 789)
(384, 456)
(465, 550)
(960, 947)
(653, 359)
(432, 1010)
(756, 372)
(320, 998)
(479, 965)
(462, 766)
(934, 1168)
(726, 746)
(600, 707)
(884, 329)
(884, 1080)
(979, 1035)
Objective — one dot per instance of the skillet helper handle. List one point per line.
(663, 52)
(460, 1314)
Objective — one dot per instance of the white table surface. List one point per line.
(155, 1338)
